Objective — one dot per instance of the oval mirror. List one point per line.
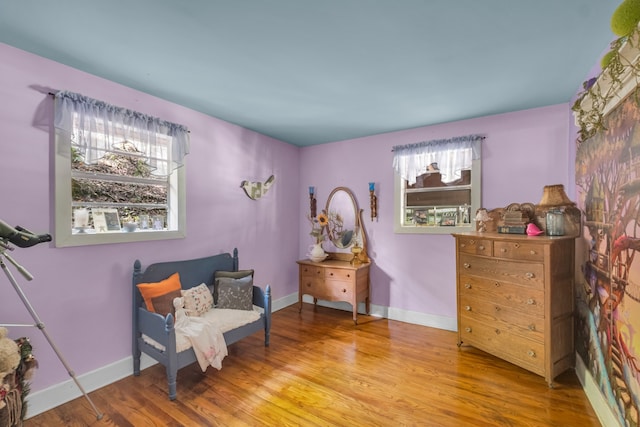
(342, 210)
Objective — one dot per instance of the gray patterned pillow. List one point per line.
(232, 274)
(236, 294)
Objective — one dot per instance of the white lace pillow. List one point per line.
(197, 300)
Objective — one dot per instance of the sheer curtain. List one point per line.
(451, 155)
(96, 128)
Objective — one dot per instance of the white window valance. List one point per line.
(452, 156)
(96, 128)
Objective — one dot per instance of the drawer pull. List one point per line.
(498, 308)
(517, 245)
(503, 250)
(481, 247)
(532, 252)
(531, 301)
(529, 275)
(308, 285)
(531, 353)
(348, 275)
(532, 327)
(344, 290)
(497, 331)
(468, 329)
(467, 307)
(331, 274)
(497, 284)
(467, 285)
(463, 245)
(466, 265)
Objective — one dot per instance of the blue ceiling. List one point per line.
(313, 71)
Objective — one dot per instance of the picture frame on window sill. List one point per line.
(105, 220)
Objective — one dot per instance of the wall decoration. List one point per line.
(608, 292)
(255, 190)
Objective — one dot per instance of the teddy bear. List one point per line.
(9, 354)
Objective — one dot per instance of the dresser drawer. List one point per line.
(475, 246)
(524, 324)
(522, 299)
(518, 250)
(326, 289)
(310, 271)
(339, 274)
(494, 339)
(523, 273)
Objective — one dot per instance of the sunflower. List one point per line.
(323, 219)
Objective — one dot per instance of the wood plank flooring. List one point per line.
(321, 370)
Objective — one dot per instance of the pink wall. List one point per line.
(523, 152)
(83, 295)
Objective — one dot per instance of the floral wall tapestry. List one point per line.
(608, 292)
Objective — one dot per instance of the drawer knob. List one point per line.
(529, 275)
(532, 252)
(532, 327)
(348, 275)
(466, 265)
(496, 284)
(308, 285)
(467, 285)
(463, 245)
(517, 245)
(330, 274)
(503, 250)
(344, 290)
(531, 353)
(467, 307)
(531, 301)
(481, 247)
(497, 331)
(468, 329)
(498, 308)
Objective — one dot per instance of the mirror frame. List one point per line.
(358, 224)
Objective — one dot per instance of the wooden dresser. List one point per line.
(335, 280)
(515, 298)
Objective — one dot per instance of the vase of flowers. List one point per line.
(318, 224)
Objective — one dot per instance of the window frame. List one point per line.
(399, 205)
(64, 236)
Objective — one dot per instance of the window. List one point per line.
(437, 185)
(119, 174)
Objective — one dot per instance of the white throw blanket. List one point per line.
(206, 339)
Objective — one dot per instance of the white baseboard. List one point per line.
(58, 394)
(433, 321)
(605, 415)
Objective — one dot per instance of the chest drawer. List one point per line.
(518, 250)
(475, 246)
(521, 299)
(339, 274)
(327, 290)
(496, 340)
(525, 324)
(310, 271)
(519, 272)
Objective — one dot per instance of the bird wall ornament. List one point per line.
(255, 190)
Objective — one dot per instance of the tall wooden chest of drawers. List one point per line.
(515, 298)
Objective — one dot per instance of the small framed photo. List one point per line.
(105, 220)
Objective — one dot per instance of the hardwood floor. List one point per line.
(321, 370)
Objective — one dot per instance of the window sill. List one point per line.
(410, 229)
(92, 238)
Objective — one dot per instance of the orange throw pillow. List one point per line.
(150, 291)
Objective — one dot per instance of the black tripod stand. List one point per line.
(4, 247)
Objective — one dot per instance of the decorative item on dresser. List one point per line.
(344, 275)
(515, 298)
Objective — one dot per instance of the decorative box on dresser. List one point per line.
(515, 298)
(335, 280)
